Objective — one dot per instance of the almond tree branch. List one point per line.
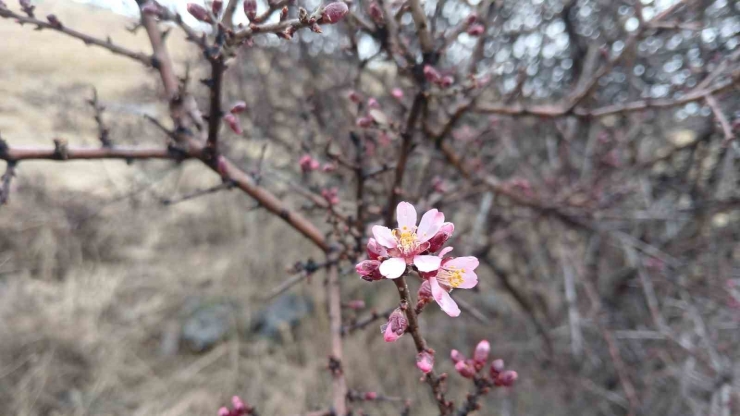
(339, 391)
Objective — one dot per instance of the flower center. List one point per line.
(406, 238)
(452, 277)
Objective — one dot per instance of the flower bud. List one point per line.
(375, 250)
(250, 9)
(507, 378)
(371, 395)
(238, 107)
(424, 295)
(373, 103)
(476, 30)
(425, 361)
(198, 12)
(329, 167)
(334, 12)
(480, 355)
(224, 412)
(375, 12)
(456, 356)
(331, 195)
(446, 81)
(354, 96)
(216, 7)
(396, 326)
(233, 123)
(54, 21)
(439, 239)
(472, 18)
(383, 139)
(356, 304)
(431, 74)
(465, 369)
(497, 366)
(307, 163)
(397, 93)
(369, 270)
(364, 122)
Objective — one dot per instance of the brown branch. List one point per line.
(89, 40)
(15, 154)
(362, 323)
(720, 115)
(339, 391)
(5, 182)
(103, 130)
(422, 28)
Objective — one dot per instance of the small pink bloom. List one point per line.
(369, 270)
(446, 81)
(465, 369)
(331, 195)
(374, 250)
(497, 366)
(250, 9)
(397, 93)
(239, 406)
(375, 12)
(507, 378)
(396, 326)
(371, 395)
(216, 7)
(354, 96)
(406, 243)
(334, 12)
(373, 103)
(224, 412)
(456, 356)
(454, 273)
(238, 107)
(476, 30)
(425, 361)
(439, 239)
(233, 123)
(198, 12)
(472, 18)
(364, 122)
(307, 163)
(431, 74)
(480, 355)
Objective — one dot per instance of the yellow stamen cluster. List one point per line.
(406, 238)
(453, 277)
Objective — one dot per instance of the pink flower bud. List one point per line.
(238, 107)
(54, 21)
(364, 122)
(329, 167)
(307, 163)
(331, 195)
(438, 184)
(222, 167)
(507, 378)
(472, 18)
(250, 9)
(216, 7)
(480, 355)
(375, 12)
(424, 295)
(224, 412)
(465, 369)
(334, 12)
(354, 96)
(239, 407)
(425, 361)
(396, 326)
(369, 270)
(456, 356)
(446, 81)
(150, 8)
(371, 395)
(439, 239)
(497, 366)
(233, 123)
(476, 30)
(375, 250)
(356, 304)
(397, 93)
(431, 74)
(373, 103)
(198, 12)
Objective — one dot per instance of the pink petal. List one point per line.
(406, 216)
(431, 222)
(427, 263)
(470, 280)
(389, 335)
(444, 300)
(468, 263)
(384, 236)
(393, 267)
(444, 251)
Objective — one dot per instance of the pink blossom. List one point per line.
(373, 103)
(307, 163)
(507, 378)
(375, 251)
(396, 326)
(456, 356)
(224, 412)
(465, 369)
(216, 6)
(334, 12)
(397, 93)
(476, 30)
(250, 9)
(331, 195)
(425, 361)
(497, 366)
(369, 270)
(431, 74)
(198, 12)
(376, 12)
(364, 122)
(354, 96)
(480, 355)
(472, 18)
(371, 395)
(329, 167)
(453, 273)
(406, 243)
(233, 123)
(446, 81)
(238, 107)
(444, 234)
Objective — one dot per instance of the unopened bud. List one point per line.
(371, 395)
(54, 21)
(465, 369)
(507, 378)
(224, 412)
(439, 239)
(397, 93)
(238, 107)
(425, 361)
(334, 12)
(431, 74)
(476, 30)
(283, 13)
(150, 8)
(239, 406)
(375, 250)
(457, 356)
(356, 304)
(364, 122)
(331, 195)
(396, 326)
(480, 355)
(354, 96)
(216, 7)
(369, 270)
(233, 123)
(373, 103)
(315, 28)
(424, 295)
(497, 366)
(198, 12)
(307, 163)
(472, 18)
(375, 12)
(446, 81)
(250, 9)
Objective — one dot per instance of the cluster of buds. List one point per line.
(331, 195)
(397, 93)
(432, 75)
(471, 367)
(232, 120)
(239, 408)
(307, 163)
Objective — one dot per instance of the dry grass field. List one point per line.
(98, 277)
